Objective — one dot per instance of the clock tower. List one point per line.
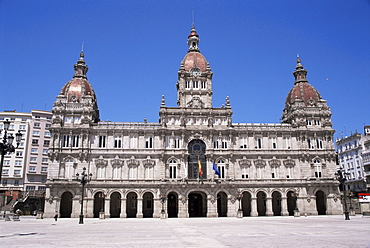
(194, 85)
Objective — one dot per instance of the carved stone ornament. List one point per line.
(245, 163)
(132, 162)
(195, 102)
(274, 163)
(148, 163)
(101, 161)
(259, 163)
(116, 162)
(289, 163)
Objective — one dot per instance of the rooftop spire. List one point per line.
(80, 68)
(299, 73)
(193, 40)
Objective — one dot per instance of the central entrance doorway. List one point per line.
(197, 205)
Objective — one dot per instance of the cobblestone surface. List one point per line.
(312, 231)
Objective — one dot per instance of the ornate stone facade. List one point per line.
(145, 169)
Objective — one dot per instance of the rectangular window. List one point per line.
(195, 84)
(215, 143)
(310, 143)
(44, 160)
(5, 171)
(258, 143)
(116, 172)
(44, 169)
(149, 142)
(17, 172)
(18, 162)
(46, 142)
(65, 141)
(5, 182)
(221, 169)
(133, 141)
(319, 143)
(32, 169)
(45, 151)
(317, 122)
(16, 182)
(117, 142)
(75, 140)
(173, 171)
(243, 142)
(19, 154)
(273, 143)
(102, 141)
(67, 119)
(177, 142)
(187, 85)
(77, 120)
(35, 142)
(48, 125)
(47, 134)
(22, 127)
(309, 122)
(203, 84)
(224, 143)
(34, 150)
(287, 142)
(36, 133)
(37, 124)
(6, 162)
(33, 159)
(42, 188)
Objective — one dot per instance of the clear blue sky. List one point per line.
(134, 48)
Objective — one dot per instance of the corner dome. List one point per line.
(305, 92)
(78, 87)
(302, 90)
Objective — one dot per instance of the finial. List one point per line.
(298, 58)
(163, 103)
(227, 101)
(82, 51)
(192, 18)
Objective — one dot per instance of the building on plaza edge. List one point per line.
(269, 169)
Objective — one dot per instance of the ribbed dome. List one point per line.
(305, 92)
(77, 88)
(194, 60)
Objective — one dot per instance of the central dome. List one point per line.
(195, 60)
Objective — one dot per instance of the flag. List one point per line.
(200, 168)
(217, 172)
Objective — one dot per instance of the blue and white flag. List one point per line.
(217, 172)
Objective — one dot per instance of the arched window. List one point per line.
(197, 159)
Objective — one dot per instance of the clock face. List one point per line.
(195, 73)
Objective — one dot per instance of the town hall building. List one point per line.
(195, 162)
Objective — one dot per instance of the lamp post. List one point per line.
(240, 211)
(7, 144)
(83, 179)
(341, 177)
(163, 213)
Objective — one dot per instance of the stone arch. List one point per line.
(66, 202)
(276, 202)
(172, 204)
(261, 202)
(246, 203)
(321, 198)
(99, 198)
(197, 203)
(148, 204)
(131, 204)
(115, 204)
(291, 201)
(222, 204)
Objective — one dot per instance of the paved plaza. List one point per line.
(312, 231)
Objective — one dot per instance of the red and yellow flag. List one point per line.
(200, 168)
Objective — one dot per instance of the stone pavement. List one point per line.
(284, 231)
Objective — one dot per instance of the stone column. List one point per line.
(269, 211)
(284, 206)
(232, 207)
(211, 206)
(254, 211)
(139, 208)
(107, 207)
(183, 207)
(123, 208)
(76, 207)
(158, 208)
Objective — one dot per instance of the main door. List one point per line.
(197, 205)
(172, 208)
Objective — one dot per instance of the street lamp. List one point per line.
(341, 177)
(240, 211)
(83, 179)
(163, 200)
(7, 144)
